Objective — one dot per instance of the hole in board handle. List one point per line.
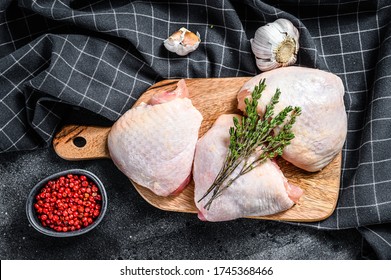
(79, 142)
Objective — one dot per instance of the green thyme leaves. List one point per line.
(252, 134)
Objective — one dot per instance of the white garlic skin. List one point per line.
(182, 42)
(273, 41)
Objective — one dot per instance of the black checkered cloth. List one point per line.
(57, 56)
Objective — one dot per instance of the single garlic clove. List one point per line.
(182, 42)
(275, 45)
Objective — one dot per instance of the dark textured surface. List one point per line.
(132, 229)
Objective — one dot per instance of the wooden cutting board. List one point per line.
(212, 97)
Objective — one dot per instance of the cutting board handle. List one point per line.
(75, 142)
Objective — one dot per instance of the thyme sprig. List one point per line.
(251, 134)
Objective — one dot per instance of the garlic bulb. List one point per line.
(275, 44)
(182, 42)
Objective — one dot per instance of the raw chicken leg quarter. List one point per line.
(154, 145)
(320, 130)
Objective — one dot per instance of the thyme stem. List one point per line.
(254, 135)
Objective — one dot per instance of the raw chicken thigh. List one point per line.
(154, 144)
(321, 129)
(262, 191)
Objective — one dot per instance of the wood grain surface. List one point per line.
(212, 97)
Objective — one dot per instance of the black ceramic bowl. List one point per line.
(32, 215)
